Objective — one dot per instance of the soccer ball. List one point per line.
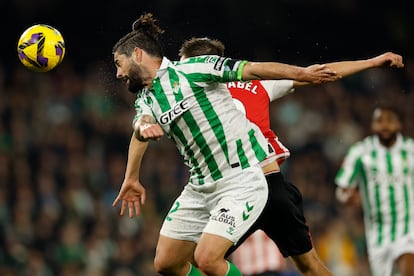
(41, 48)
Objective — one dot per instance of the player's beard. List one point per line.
(136, 82)
(387, 139)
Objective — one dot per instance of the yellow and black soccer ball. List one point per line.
(41, 48)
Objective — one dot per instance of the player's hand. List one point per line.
(146, 128)
(349, 196)
(388, 59)
(319, 73)
(132, 195)
(148, 131)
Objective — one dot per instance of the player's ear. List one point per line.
(137, 55)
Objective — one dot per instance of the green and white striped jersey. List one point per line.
(385, 178)
(192, 104)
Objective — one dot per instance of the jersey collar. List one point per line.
(164, 65)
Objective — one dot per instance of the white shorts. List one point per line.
(227, 209)
(382, 260)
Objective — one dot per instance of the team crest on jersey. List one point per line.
(176, 88)
(176, 111)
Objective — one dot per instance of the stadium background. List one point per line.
(64, 134)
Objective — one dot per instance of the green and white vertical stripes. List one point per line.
(385, 178)
(192, 104)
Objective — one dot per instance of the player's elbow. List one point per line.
(250, 72)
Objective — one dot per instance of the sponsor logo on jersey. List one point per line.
(177, 110)
(386, 179)
(223, 216)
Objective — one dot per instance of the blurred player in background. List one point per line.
(259, 255)
(379, 172)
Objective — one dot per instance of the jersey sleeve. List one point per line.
(351, 170)
(277, 88)
(141, 108)
(212, 68)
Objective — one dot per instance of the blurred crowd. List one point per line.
(64, 139)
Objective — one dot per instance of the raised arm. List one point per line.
(347, 68)
(317, 73)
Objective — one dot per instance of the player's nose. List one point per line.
(119, 73)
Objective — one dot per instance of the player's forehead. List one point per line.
(119, 58)
(380, 113)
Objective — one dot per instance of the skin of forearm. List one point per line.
(346, 68)
(271, 70)
(135, 154)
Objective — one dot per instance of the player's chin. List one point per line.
(386, 135)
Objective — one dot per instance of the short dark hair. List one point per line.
(145, 35)
(197, 46)
(391, 108)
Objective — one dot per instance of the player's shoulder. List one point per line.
(203, 59)
(408, 140)
(363, 145)
(207, 64)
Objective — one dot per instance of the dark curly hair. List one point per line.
(145, 34)
(391, 108)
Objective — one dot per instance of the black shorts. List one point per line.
(282, 218)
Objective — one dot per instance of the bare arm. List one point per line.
(135, 154)
(132, 193)
(347, 68)
(316, 73)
